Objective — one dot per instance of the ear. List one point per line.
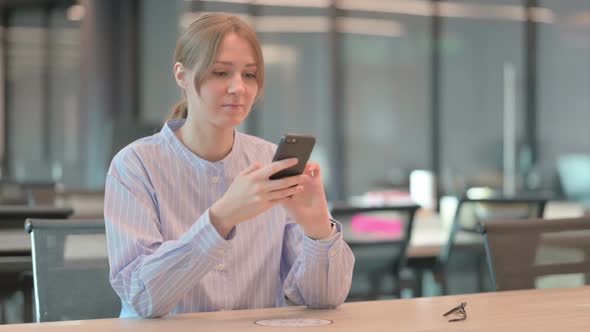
(180, 75)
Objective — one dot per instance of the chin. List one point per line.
(232, 119)
(230, 123)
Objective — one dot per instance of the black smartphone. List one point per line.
(293, 146)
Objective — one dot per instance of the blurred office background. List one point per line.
(387, 86)
(477, 93)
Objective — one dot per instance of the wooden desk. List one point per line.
(552, 310)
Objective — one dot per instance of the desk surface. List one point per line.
(552, 310)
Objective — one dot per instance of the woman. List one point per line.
(193, 221)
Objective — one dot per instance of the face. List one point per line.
(228, 91)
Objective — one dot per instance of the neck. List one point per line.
(207, 142)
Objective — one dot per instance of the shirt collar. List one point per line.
(168, 132)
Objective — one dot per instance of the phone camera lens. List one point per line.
(291, 140)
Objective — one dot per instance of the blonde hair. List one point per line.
(198, 46)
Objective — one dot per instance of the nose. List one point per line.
(236, 85)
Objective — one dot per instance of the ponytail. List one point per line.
(179, 111)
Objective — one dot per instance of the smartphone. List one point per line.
(293, 146)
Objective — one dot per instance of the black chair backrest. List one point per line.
(70, 270)
(373, 252)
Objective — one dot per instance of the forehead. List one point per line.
(236, 49)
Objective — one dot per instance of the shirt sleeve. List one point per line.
(151, 275)
(318, 273)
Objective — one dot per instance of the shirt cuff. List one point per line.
(326, 248)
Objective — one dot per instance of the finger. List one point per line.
(283, 193)
(280, 200)
(283, 183)
(277, 166)
(312, 169)
(251, 168)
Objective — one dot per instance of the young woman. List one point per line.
(193, 221)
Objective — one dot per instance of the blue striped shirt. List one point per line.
(166, 257)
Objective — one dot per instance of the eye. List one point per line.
(220, 73)
(250, 75)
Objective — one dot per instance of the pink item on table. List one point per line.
(372, 224)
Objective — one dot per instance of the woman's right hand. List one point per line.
(253, 193)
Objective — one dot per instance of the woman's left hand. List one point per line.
(309, 208)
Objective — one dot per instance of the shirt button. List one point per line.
(220, 267)
(332, 253)
(222, 251)
(215, 179)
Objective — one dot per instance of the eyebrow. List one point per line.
(229, 63)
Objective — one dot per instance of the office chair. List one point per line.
(377, 259)
(15, 262)
(523, 253)
(468, 215)
(70, 270)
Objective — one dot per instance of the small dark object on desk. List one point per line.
(460, 310)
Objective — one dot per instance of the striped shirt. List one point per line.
(166, 257)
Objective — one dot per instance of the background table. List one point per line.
(14, 241)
